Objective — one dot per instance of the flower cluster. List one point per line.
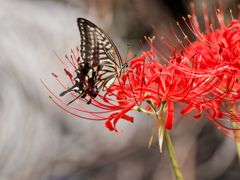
(212, 65)
(203, 74)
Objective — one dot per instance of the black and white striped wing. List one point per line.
(97, 48)
(101, 64)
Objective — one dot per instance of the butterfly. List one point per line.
(101, 62)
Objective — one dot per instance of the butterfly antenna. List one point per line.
(128, 75)
(127, 51)
(132, 90)
(132, 58)
(127, 54)
(129, 78)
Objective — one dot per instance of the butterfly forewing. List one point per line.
(96, 44)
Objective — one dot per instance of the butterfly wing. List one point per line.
(101, 64)
(97, 48)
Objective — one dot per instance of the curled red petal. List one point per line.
(197, 116)
(187, 109)
(128, 118)
(108, 125)
(110, 117)
(199, 108)
(137, 62)
(121, 114)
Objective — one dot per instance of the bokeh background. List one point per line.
(39, 141)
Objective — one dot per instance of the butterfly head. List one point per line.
(125, 65)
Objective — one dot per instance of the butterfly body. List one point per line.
(101, 62)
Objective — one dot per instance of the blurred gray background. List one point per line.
(39, 141)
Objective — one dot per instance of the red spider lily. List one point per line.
(166, 83)
(204, 74)
(213, 63)
(174, 83)
(218, 50)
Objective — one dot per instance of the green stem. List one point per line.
(168, 142)
(140, 109)
(172, 156)
(152, 105)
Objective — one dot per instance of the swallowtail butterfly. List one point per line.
(101, 64)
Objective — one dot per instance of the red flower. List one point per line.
(215, 56)
(203, 74)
